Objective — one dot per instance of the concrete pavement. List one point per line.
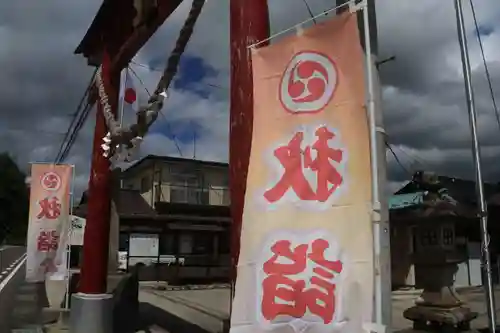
(11, 277)
(204, 310)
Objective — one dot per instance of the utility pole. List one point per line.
(381, 230)
(249, 24)
(92, 306)
(476, 153)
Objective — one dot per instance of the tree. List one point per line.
(14, 201)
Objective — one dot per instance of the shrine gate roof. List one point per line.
(124, 26)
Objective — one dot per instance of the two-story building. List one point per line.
(173, 216)
(187, 234)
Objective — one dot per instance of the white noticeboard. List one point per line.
(144, 245)
(77, 230)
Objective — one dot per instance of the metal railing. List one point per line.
(195, 195)
(181, 267)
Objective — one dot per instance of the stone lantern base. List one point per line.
(439, 308)
(440, 319)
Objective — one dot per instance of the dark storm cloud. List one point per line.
(424, 104)
(42, 81)
(424, 97)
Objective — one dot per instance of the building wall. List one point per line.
(142, 182)
(199, 183)
(402, 269)
(217, 181)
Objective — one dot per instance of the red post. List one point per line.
(249, 23)
(94, 269)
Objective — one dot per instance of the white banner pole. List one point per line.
(70, 231)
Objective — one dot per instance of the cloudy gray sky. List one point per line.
(424, 102)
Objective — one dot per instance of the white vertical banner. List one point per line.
(48, 229)
(306, 256)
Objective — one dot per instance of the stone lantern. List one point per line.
(439, 308)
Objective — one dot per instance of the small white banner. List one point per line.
(77, 230)
(48, 228)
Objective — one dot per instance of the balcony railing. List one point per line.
(195, 195)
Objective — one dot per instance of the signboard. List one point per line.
(306, 257)
(48, 222)
(77, 230)
(122, 260)
(144, 245)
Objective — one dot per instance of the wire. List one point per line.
(488, 76)
(413, 158)
(74, 135)
(161, 112)
(310, 11)
(140, 81)
(152, 69)
(398, 161)
(279, 33)
(75, 122)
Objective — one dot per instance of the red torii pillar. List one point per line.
(249, 24)
(113, 31)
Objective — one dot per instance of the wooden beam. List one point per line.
(142, 34)
(134, 42)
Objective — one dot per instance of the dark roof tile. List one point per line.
(128, 203)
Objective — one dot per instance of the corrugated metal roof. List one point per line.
(399, 201)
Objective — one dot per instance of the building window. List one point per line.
(225, 180)
(185, 243)
(185, 189)
(225, 242)
(226, 197)
(167, 244)
(145, 184)
(203, 243)
(123, 242)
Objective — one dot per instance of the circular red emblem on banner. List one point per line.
(51, 181)
(308, 83)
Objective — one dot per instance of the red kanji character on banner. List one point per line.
(294, 161)
(47, 241)
(326, 173)
(290, 157)
(50, 208)
(283, 283)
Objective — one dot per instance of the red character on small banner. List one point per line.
(47, 240)
(295, 161)
(50, 208)
(299, 281)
